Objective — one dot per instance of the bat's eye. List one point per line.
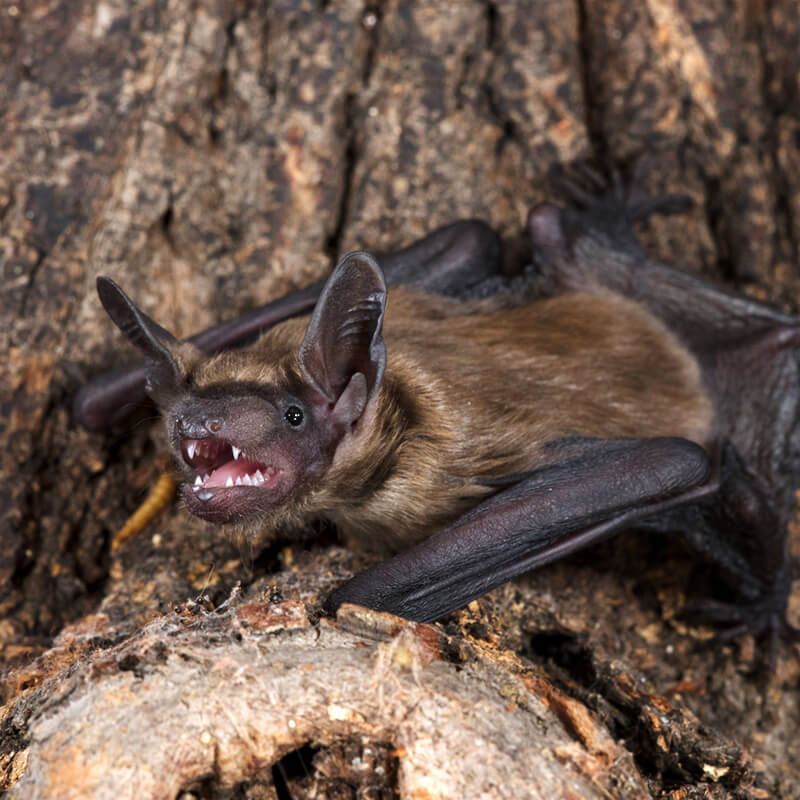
(294, 416)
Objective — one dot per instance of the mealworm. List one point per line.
(158, 498)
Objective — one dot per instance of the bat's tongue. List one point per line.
(240, 473)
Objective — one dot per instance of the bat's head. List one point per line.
(254, 439)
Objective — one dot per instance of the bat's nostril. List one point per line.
(190, 427)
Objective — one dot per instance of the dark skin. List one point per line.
(315, 431)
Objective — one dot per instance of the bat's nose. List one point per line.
(191, 427)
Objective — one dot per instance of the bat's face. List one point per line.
(249, 448)
(245, 451)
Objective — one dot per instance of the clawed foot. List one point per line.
(606, 192)
(766, 621)
(597, 225)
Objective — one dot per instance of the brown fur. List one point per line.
(475, 391)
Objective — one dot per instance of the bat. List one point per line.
(477, 427)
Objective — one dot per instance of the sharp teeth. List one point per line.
(247, 480)
(190, 449)
(236, 452)
(198, 481)
(238, 480)
(229, 482)
(259, 477)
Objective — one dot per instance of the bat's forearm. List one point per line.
(549, 514)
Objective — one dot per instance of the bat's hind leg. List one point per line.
(742, 529)
(749, 354)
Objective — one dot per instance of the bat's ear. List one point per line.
(343, 356)
(157, 344)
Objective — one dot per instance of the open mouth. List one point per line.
(218, 464)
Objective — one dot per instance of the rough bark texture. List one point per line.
(211, 154)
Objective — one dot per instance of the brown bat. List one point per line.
(487, 434)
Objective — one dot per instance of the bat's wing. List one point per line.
(749, 353)
(452, 260)
(596, 488)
